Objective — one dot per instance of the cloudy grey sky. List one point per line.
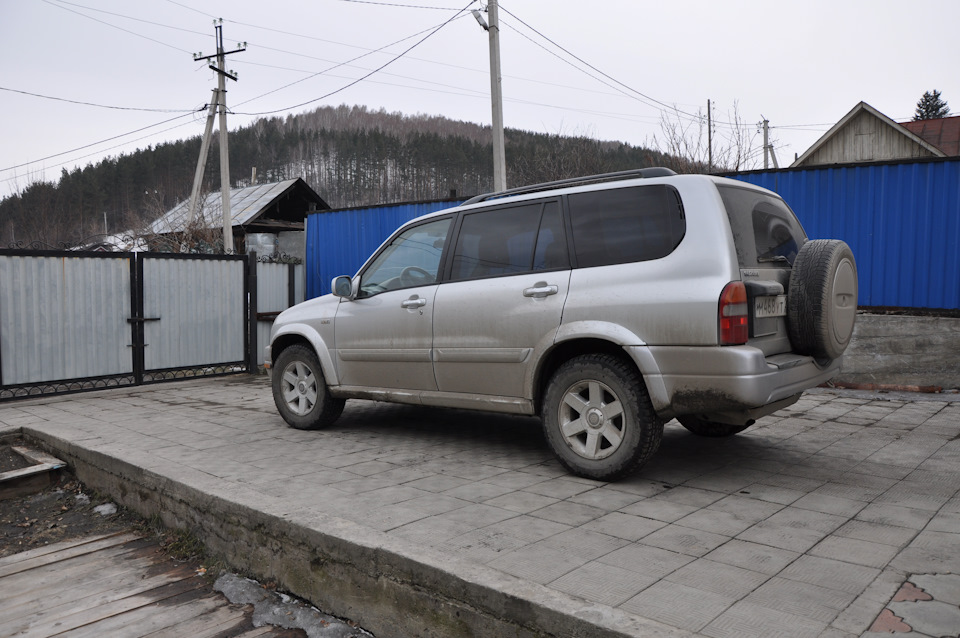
(606, 69)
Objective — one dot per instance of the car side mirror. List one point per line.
(342, 286)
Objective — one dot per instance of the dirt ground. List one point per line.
(64, 510)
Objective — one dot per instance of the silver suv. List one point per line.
(606, 305)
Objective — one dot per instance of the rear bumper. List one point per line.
(729, 379)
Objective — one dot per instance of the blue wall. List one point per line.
(338, 242)
(901, 220)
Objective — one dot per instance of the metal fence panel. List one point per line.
(194, 310)
(64, 317)
(338, 242)
(901, 220)
(273, 296)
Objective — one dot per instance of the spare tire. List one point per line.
(822, 300)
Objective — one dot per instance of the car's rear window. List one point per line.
(622, 225)
(766, 232)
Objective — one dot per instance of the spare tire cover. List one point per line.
(822, 300)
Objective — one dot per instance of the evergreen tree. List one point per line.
(931, 107)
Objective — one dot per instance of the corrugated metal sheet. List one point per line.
(200, 305)
(338, 242)
(245, 204)
(901, 220)
(80, 301)
(273, 296)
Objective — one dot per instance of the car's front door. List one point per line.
(504, 299)
(384, 336)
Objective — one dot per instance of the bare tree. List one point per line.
(683, 141)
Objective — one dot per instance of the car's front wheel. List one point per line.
(598, 418)
(300, 391)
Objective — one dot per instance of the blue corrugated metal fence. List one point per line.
(901, 220)
(338, 242)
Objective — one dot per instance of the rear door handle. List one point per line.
(413, 302)
(540, 289)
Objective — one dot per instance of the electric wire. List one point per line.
(102, 106)
(134, 33)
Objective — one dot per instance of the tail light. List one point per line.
(734, 314)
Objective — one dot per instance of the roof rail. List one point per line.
(656, 171)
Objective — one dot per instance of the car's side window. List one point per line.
(622, 225)
(411, 259)
(509, 240)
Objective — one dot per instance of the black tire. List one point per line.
(300, 390)
(822, 300)
(712, 429)
(588, 441)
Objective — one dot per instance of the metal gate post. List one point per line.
(137, 336)
(253, 342)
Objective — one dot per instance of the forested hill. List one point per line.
(350, 155)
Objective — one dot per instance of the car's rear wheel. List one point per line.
(822, 300)
(300, 391)
(598, 418)
(713, 429)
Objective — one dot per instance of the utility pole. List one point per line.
(496, 95)
(768, 147)
(219, 104)
(709, 140)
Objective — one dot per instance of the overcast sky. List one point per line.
(605, 69)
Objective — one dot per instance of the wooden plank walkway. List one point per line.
(114, 585)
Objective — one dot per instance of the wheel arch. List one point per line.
(309, 338)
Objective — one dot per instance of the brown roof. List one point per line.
(944, 133)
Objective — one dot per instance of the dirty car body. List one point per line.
(605, 305)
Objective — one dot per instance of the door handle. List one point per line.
(413, 302)
(540, 289)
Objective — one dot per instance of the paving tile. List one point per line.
(478, 492)
(482, 545)
(604, 584)
(877, 532)
(829, 504)
(944, 588)
(830, 573)
(685, 540)
(537, 563)
(678, 605)
(558, 488)
(716, 522)
(932, 618)
(749, 620)
(478, 515)
(859, 552)
(529, 528)
(569, 513)
(521, 502)
(895, 515)
(586, 545)
(717, 577)
(625, 526)
(605, 498)
(771, 493)
(806, 600)
(659, 510)
(648, 561)
(753, 556)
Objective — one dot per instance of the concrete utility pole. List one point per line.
(221, 102)
(496, 95)
(767, 146)
(709, 140)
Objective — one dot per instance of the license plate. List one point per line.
(770, 306)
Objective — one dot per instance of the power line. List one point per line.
(139, 35)
(102, 106)
(80, 148)
(402, 6)
(364, 77)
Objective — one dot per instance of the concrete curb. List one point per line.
(390, 586)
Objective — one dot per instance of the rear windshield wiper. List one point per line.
(774, 258)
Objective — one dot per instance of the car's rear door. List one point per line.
(503, 301)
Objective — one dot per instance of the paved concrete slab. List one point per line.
(807, 524)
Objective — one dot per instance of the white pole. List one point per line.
(496, 98)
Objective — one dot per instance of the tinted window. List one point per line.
(765, 230)
(510, 240)
(411, 259)
(622, 225)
